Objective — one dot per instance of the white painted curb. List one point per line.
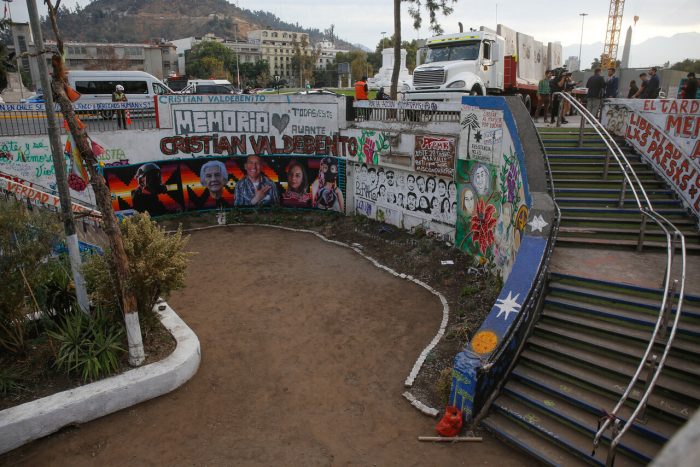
(445, 306)
(33, 420)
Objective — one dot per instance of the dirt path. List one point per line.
(305, 347)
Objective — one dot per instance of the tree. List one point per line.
(415, 6)
(688, 65)
(127, 299)
(210, 59)
(595, 63)
(304, 60)
(255, 74)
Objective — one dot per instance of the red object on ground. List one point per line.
(451, 422)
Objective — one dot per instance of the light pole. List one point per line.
(580, 45)
(383, 33)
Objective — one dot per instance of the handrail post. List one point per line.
(667, 311)
(642, 231)
(607, 164)
(614, 430)
(653, 363)
(561, 109)
(581, 128)
(622, 191)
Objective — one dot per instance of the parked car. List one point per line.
(209, 86)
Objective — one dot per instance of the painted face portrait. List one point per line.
(424, 203)
(363, 173)
(382, 177)
(453, 190)
(430, 185)
(411, 202)
(372, 177)
(480, 180)
(411, 182)
(401, 182)
(468, 201)
(390, 178)
(213, 176)
(441, 188)
(295, 178)
(253, 168)
(420, 181)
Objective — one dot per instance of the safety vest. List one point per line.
(360, 92)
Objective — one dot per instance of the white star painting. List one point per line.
(507, 305)
(538, 223)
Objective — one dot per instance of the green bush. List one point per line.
(11, 380)
(26, 239)
(90, 346)
(157, 263)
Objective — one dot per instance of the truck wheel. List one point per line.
(476, 91)
(107, 114)
(527, 101)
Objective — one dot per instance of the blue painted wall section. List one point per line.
(470, 383)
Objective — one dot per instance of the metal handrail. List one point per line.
(668, 293)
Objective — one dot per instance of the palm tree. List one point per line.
(414, 9)
(471, 122)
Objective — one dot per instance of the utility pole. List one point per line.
(580, 45)
(59, 163)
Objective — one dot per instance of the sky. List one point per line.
(364, 21)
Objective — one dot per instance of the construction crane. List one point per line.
(612, 35)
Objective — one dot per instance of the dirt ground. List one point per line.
(305, 347)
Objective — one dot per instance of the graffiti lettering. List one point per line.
(229, 121)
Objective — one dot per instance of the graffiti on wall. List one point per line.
(665, 132)
(435, 155)
(483, 129)
(491, 214)
(405, 199)
(163, 187)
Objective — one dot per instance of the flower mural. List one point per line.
(483, 223)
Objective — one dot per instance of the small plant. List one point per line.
(443, 385)
(157, 263)
(469, 290)
(90, 346)
(11, 380)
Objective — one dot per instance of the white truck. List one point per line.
(482, 62)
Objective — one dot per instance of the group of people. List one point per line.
(255, 189)
(600, 88)
(649, 86)
(434, 197)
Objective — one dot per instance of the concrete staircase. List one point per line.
(578, 361)
(591, 334)
(591, 214)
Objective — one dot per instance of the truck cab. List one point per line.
(470, 63)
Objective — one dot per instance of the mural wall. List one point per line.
(665, 133)
(492, 207)
(166, 187)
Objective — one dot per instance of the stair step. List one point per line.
(612, 384)
(612, 191)
(629, 289)
(630, 349)
(530, 442)
(613, 243)
(612, 201)
(620, 364)
(647, 299)
(634, 317)
(637, 446)
(687, 223)
(620, 211)
(577, 182)
(656, 428)
(632, 232)
(683, 347)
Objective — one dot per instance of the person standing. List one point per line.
(691, 87)
(119, 96)
(543, 93)
(654, 84)
(643, 91)
(633, 89)
(596, 90)
(557, 84)
(362, 94)
(611, 85)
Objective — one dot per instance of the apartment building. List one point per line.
(247, 52)
(278, 48)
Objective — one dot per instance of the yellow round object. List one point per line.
(484, 342)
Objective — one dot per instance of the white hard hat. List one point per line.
(120, 87)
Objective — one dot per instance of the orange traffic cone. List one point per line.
(128, 117)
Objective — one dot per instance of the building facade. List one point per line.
(278, 48)
(160, 60)
(246, 52)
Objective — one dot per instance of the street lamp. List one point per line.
(580, 46)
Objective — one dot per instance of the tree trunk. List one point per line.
(109, 223)
(397, 49)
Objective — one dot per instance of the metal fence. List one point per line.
(30, 119)
(406, 111)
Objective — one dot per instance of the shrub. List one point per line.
(11, 380)
(157, 263)
(26, 239)
(90, 346)
(443, 384)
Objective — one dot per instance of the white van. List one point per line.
(209, 86)
(98, 86)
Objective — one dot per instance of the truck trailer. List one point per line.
(502, 62)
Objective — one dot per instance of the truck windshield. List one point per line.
(461, 51)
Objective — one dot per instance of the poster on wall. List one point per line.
(435, 155)
(405, 199)
(482, 135)
(165, 187)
